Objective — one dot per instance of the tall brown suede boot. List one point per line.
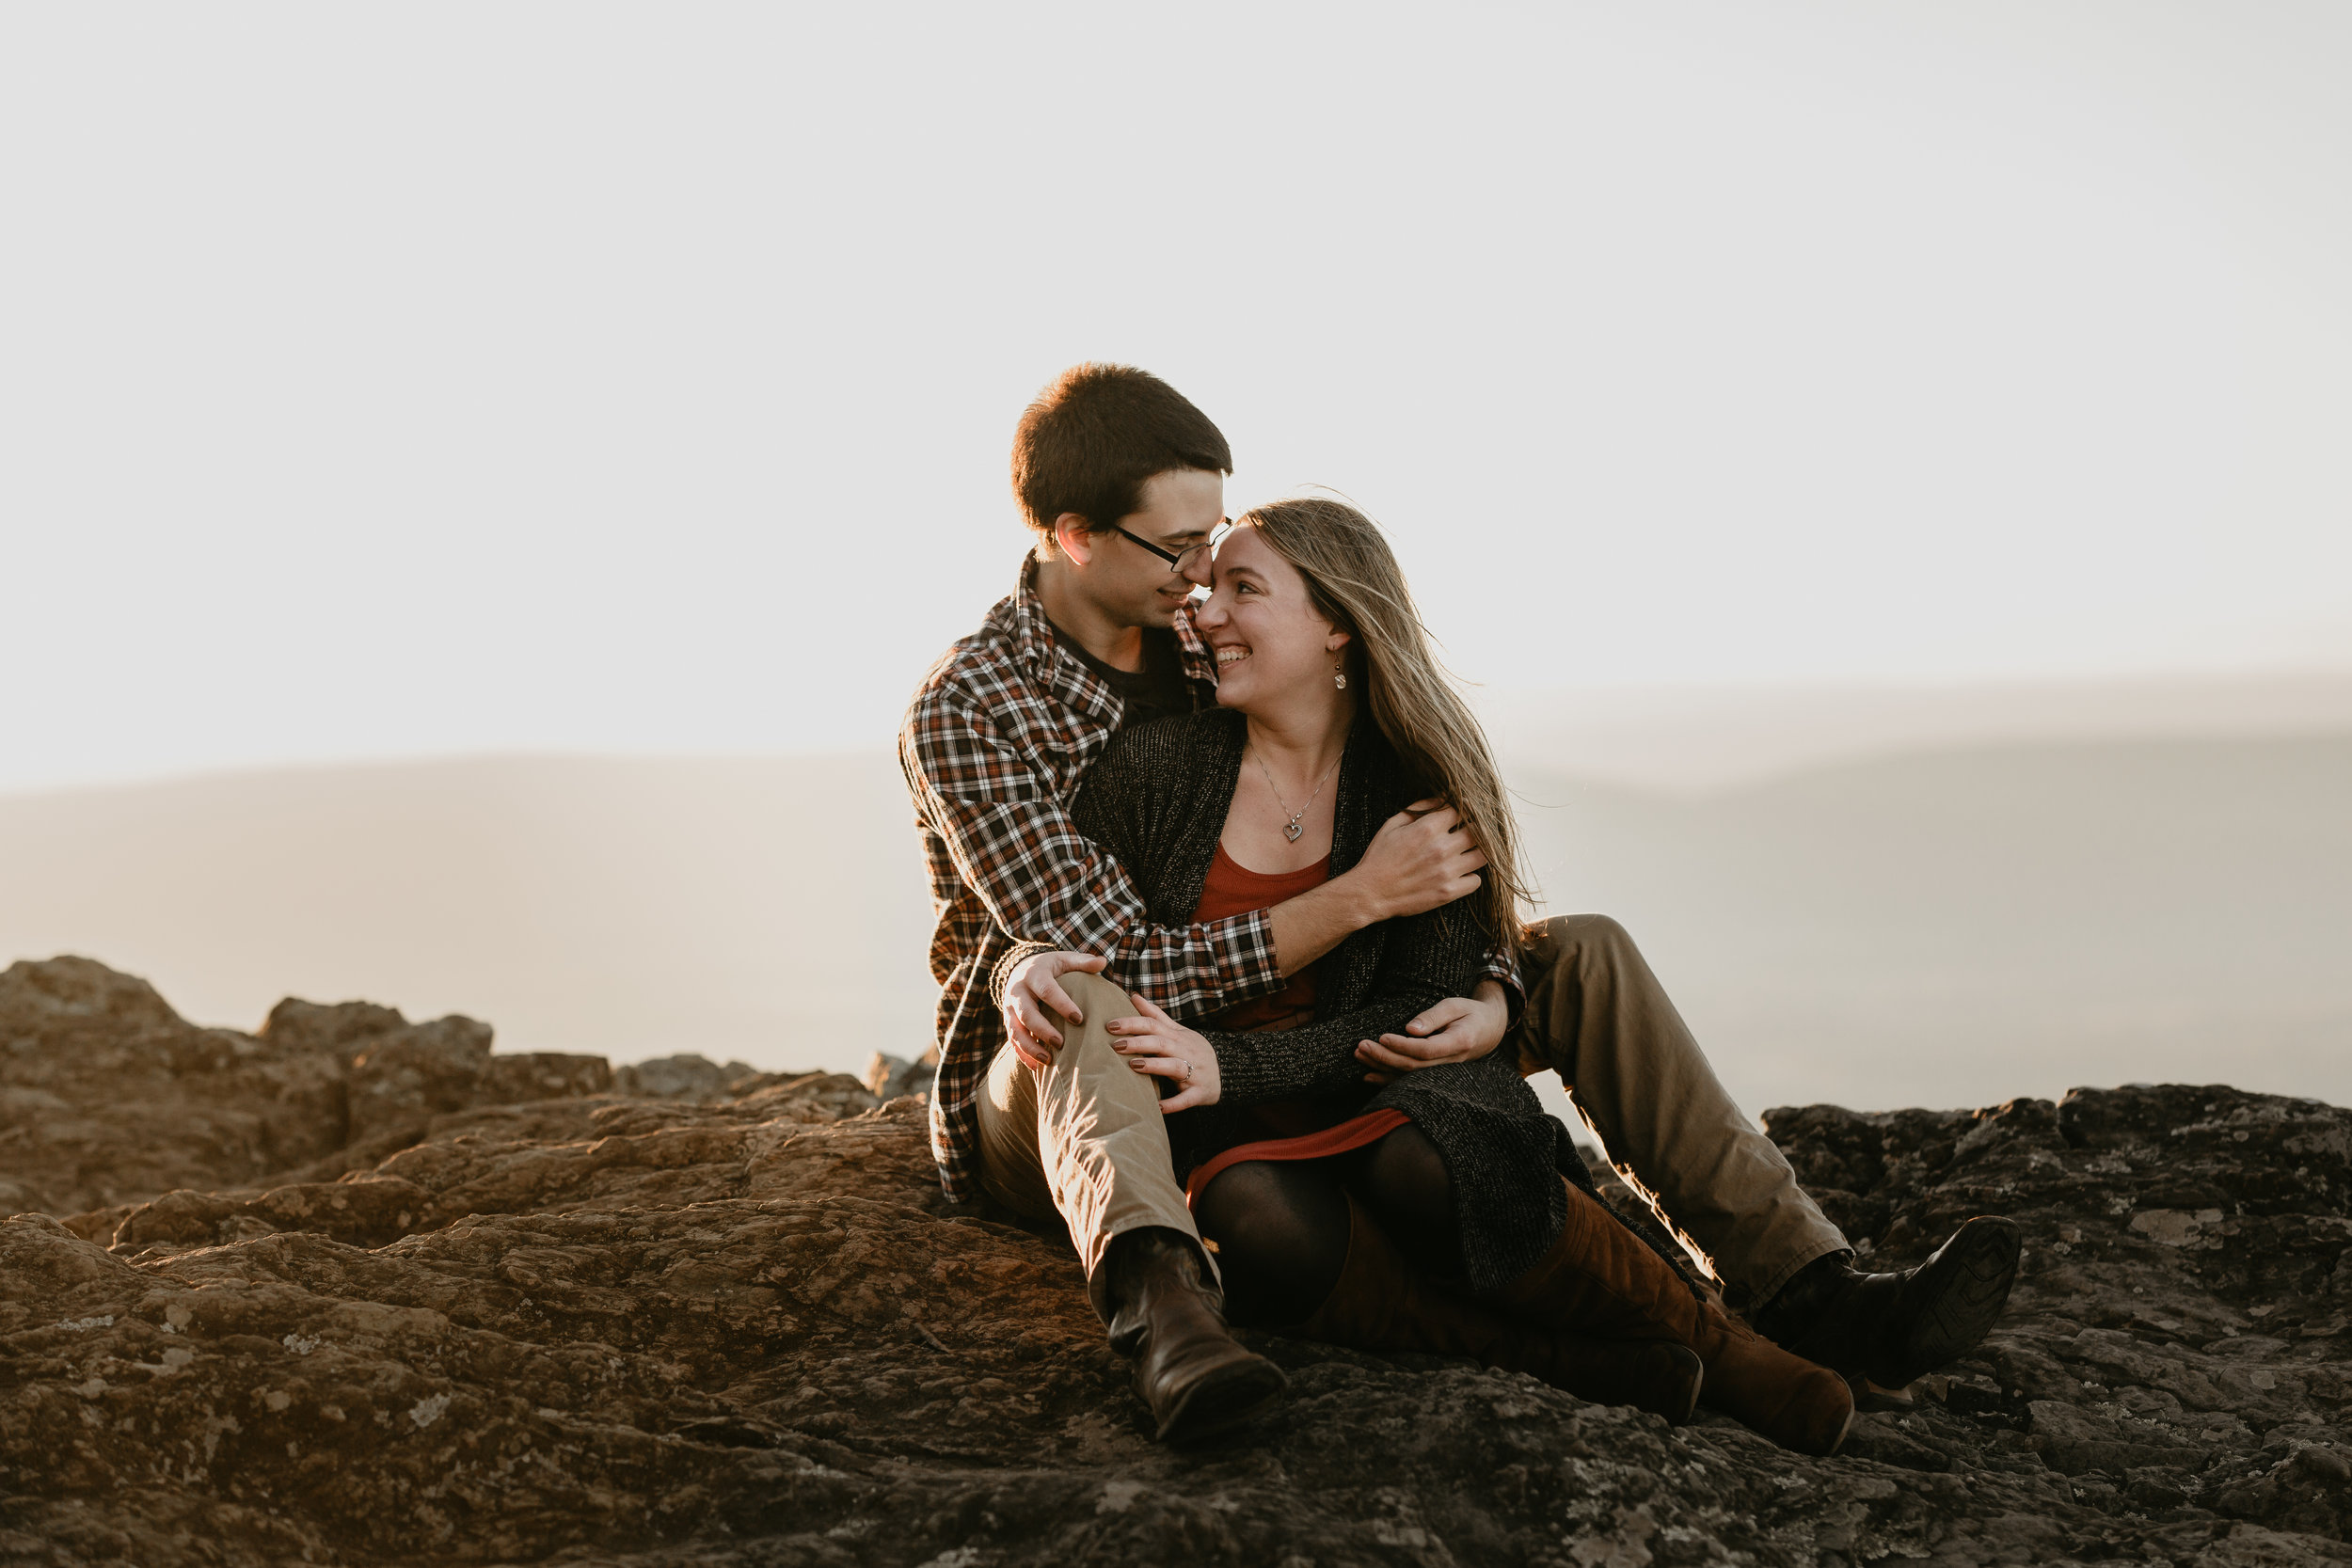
(1600, 1279)
(1381, 1303)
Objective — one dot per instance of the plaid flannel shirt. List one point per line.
(993, 747)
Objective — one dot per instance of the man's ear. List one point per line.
(1070, 536)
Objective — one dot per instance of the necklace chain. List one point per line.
(1291, 829)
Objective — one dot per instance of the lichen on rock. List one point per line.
(737, 1323)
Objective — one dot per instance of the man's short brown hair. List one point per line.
(1093, 438)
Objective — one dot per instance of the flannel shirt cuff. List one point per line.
(1503, 970)
(1246, 966)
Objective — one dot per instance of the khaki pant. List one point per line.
(1085, 1139)
(1599, 1017)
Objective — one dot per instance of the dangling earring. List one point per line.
(1339, 672)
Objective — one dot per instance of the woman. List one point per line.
(1310, 1180)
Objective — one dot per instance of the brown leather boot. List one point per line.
(1894, 1327)
(1600, 1279)
(1381, 1303)
(1189, 1368)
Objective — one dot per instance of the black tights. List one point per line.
(1281, 1225)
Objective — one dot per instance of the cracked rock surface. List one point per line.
(257, 1311)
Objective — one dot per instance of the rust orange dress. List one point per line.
(1295, 1129)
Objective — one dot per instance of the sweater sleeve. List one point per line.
(1429, 958)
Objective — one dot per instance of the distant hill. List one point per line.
(1926, 928)
(772, 911)
(1694, 739)
(1921, 928)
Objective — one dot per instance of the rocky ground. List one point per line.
(352, 1289)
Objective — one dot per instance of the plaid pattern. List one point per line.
(993, 747)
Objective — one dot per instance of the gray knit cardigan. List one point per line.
(1157, 800)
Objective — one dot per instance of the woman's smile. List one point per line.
(1259, 613)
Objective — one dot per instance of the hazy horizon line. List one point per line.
(1615, 711)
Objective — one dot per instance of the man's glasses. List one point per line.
(1179, 560)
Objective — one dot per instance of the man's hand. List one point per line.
(1419, 859)
(1155, 1043)
(1458, 1029)
(1035, 1004)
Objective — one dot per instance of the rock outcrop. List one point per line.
(245, 1322)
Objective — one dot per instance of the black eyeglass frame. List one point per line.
(1176, 559)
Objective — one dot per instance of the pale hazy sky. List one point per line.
(382, 381)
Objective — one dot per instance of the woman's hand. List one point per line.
(1155, 1043)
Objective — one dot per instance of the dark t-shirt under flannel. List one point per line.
(1154, 691)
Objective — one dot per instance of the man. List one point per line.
(1122, 481)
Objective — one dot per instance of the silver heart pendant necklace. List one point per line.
(1291, 829)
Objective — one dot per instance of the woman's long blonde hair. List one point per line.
(1353, 582)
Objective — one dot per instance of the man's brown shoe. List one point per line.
(1189, 1368)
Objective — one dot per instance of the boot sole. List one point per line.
(1222, 1400)
(1961, 1292)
